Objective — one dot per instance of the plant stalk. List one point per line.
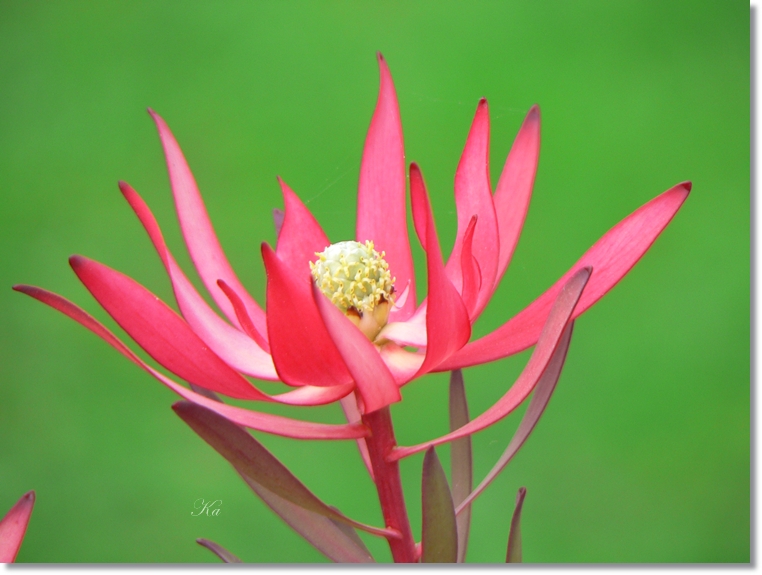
(389, 485)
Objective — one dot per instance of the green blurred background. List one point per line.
(643, 454)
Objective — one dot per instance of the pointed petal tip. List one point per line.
(534, 113)
(179, 406)
(157, 119)
(284, 188)
(683, 189)
(383, 67)
(77, 261)
(482, 101)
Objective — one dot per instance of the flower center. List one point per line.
(356, 278)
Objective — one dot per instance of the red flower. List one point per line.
(314, 346)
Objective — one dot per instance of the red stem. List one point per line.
(389, 485)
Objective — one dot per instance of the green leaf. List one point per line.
(439, 541)
(352, 534)
(542, 394)
(513, 555)
(219, 551)
(331, 538)
(250, 458)
(461, 460)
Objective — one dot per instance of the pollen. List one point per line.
(354, 276)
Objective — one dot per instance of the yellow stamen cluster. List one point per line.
(353, 275)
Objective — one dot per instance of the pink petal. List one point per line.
(381, 204)
(352, 413)
(537, 405)
(514, 189)
(542, 355)
(313, 395)
(204, 248)
(399, 300)
(243, 317)
(473, 197)
(402, 364)
(420, 208)
(302, 350)
(301, 236)
(447, 325)
(159, 330)
(470, 271)
(233, 347)
(274, 424)
(13, 527)
(611, 257)
(375, 383)
(411, 332)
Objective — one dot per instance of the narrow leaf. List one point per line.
(250, 458)
(439, 539)
(461, 459)
(322, 533)
(350, 532)
(537, 405)
(513, 555)
(208, 393)
(550, 338)
(219, 551)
